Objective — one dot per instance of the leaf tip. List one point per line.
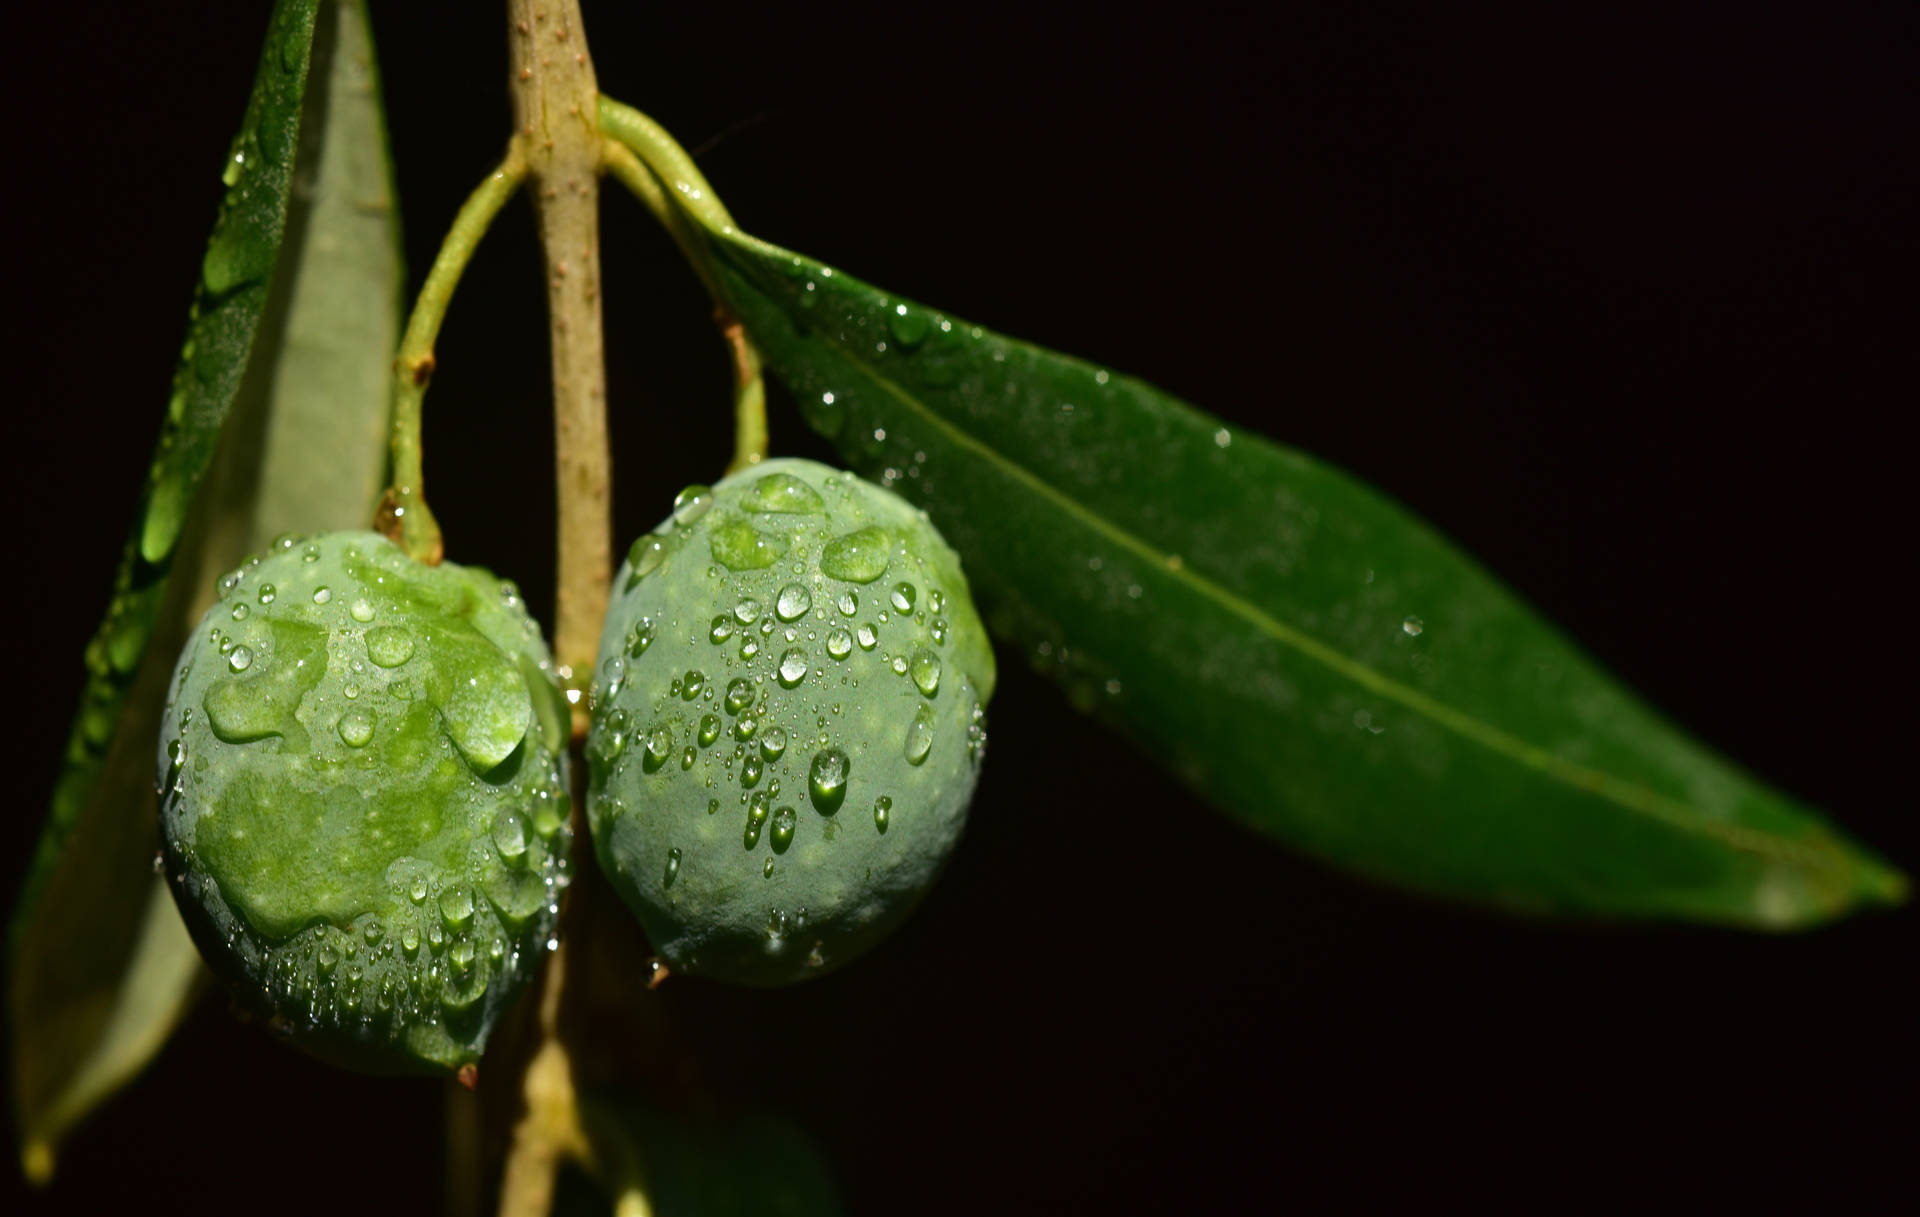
(1883, 884)
(36, 1161)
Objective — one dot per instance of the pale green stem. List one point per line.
(668, 168)
(668, 160)
(404, 515)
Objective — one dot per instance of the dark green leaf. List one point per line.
(284, 376)
(1302, 651)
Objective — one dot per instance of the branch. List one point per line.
(554, 105)
(554, 96)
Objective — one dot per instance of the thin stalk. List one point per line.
(671, 163)
(749, 389)
(555, 118)
(404, 516)
(555, 114)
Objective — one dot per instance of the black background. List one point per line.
(1623, 301)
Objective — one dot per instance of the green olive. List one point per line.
(364, 798)
(787, 722)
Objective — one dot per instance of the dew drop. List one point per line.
(857, 557)
(322, 595)
(456, 907)
(240, 659)
(240, 612)
(691, 503)
(909, 328)
(919, 736)
(356, 728)
(902, 597)
(773, 743)
(640, 639)
(709, 729)
(739, 695)
(925, 667)
(827, 780)
(673, 868)
(659, 746)
(793, 602)
(1413, 626)
(360, 611)
(389, 646)
(646, 555)
(881, 806)
(783, 825)
(839, 644)
(739, 546)
(868, 636)
(721, 629)
(510, 837)
(267, 593)
(782, 493)
(793, 668)
(692, 685)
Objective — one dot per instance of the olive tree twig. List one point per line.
(556, 120)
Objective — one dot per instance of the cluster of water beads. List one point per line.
(792, 622)
(430, 957)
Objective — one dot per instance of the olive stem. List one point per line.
(749, 389)
(555, 115)
(549, 1128)
(555, 121)
(403, 515)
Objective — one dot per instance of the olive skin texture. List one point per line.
(364, 803)
(788, 722)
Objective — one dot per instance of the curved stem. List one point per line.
(669, 161)
(404, 516)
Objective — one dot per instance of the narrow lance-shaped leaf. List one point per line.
(1300, 650)
(276, 422)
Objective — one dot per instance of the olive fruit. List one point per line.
(364, 798)
(787, 721)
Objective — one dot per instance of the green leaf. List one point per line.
(1303, 652)
(276, 422)
(676, 1165)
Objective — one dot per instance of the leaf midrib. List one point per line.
(1629, 795)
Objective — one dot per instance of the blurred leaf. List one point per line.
(1300, 650)
(692, 1166)
(276, 422)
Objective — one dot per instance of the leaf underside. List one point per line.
(1303, 652)
(275, 422)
